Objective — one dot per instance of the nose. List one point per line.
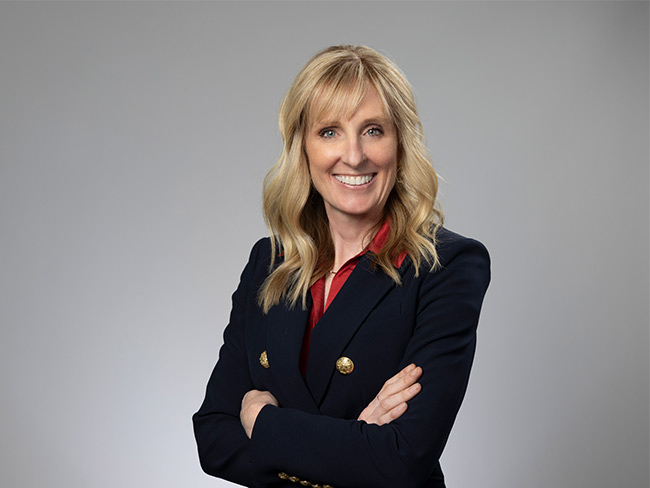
(354, 154)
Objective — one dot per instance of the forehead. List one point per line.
(330, 103)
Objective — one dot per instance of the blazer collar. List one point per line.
(360, 294)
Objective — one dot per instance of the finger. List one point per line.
(258, 396)
(400, 384)
(384, 411)
(265, 397)
(271, 399)
(407, 376)
(250, 395)
(395, 391)
(390, 402)
(409, 379)
(394, 414)
(404, 372)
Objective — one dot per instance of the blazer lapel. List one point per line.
(286, 329)
(361, 292)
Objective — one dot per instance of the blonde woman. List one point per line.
(352, 331)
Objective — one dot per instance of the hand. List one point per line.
(251, 405)
(390, 402)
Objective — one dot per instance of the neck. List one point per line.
(350, 236)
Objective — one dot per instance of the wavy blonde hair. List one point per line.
(334, 81)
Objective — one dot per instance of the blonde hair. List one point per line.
(335, 81)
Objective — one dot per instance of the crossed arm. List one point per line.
(244, 438)
(389, 404)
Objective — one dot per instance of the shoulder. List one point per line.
(253, 274)
(262, 246)
(461, 279)
(462, 260)
(257, 267)
(450, 245)
(260, 255)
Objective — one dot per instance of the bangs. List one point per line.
(339, 95)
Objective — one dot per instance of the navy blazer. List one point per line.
(313, 438)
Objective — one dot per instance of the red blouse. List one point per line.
(317, 290)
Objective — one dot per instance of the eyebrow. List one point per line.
(382, 120)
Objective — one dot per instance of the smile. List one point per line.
(355, 180)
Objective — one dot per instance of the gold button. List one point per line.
(283, 476)
(327, 486)
(305, 483)
(264, 360)
(294, 479)
(344, 365)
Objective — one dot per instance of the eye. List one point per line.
(327, 133)
(375, 131)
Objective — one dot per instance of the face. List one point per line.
(353, 161)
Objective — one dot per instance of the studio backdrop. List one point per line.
(134, 138)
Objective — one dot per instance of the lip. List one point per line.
(355, 181)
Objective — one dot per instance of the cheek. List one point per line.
(316, 171)
(387, 161)
(317, 160)
(383, 152)
(390, 181)
(318, 174)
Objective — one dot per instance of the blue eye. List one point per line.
(327, 133)
(375, 131)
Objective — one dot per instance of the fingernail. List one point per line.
(415, 387)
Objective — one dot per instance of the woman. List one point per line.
(352, 331)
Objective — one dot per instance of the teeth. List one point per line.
(354, 180)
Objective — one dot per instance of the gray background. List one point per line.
(133, 143)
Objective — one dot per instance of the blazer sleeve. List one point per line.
(350, 453)
(223, 446)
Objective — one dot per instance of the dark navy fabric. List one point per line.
(429, 320)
